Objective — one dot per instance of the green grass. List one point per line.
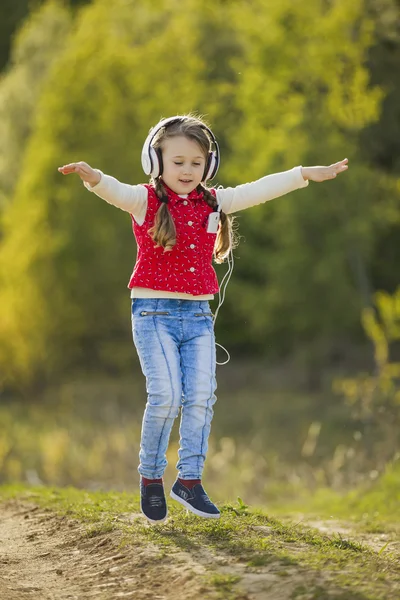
(371, 509)
(253, 539)
(224, 585)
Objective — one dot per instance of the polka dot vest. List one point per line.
(187, 268)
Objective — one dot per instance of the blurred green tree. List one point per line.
(72, 251)
(304, 95)
(379, 143)
(281, 85)
(12, 15)
(37, 46)
(375, 397)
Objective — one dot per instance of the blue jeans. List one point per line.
(176, 348)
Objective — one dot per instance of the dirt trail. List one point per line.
(47, 557)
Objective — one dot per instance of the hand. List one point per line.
(85, 172)
(324, 173)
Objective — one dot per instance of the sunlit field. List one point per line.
(266, 446)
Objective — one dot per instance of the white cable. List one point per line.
(222, 289)
(221, 298)
(227, 353)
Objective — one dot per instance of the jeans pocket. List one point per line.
(152, 313)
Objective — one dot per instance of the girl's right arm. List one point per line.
(130, 198)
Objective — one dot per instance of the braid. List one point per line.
(163, 232)
(160, 189)
(226, 236)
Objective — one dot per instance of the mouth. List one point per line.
(186, 180)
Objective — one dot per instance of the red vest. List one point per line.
(187, 268)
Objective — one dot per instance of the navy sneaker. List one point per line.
(152, 502)
(195, 500)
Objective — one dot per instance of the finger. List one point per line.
(341, 163)
(67, 168)
(337, 171)
(72, 168)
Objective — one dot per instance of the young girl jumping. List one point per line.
(179, 225)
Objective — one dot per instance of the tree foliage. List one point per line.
(375, 397)
(37, 46)
(12, 14)
(281, 84)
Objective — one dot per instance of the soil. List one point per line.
(47, 557)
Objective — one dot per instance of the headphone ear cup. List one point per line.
(155, 162)
(211, 166)
(214, 165)
(146, 163)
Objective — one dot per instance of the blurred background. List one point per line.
(311, 396)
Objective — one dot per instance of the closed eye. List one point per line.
(195, 164)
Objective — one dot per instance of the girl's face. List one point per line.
(184, 164)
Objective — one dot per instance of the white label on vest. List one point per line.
(213, 220)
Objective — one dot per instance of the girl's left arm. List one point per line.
(272, 186)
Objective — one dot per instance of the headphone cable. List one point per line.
(221, 298)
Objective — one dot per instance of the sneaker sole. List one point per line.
(152, 521)
(193, 510)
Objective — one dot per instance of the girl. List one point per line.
(179, 225)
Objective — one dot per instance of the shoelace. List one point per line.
(206, 499)
(155, 501)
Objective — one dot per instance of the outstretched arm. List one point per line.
(130, 198)
(272, 186)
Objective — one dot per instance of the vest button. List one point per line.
(191, 269)
(190, 223)
(192, 246)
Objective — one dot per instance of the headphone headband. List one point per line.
(152, 158)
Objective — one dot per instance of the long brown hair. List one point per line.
(163, 231)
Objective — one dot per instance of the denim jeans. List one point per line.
(176, 348)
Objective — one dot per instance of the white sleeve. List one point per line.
(131, 198)
(243, 196)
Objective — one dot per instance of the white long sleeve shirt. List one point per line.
(133, 199)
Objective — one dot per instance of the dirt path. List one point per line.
(47, 557)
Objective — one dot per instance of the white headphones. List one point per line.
(152, 158)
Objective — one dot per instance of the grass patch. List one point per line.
(224, 584)
(100, 529)
(253, 539)
(369, 509)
